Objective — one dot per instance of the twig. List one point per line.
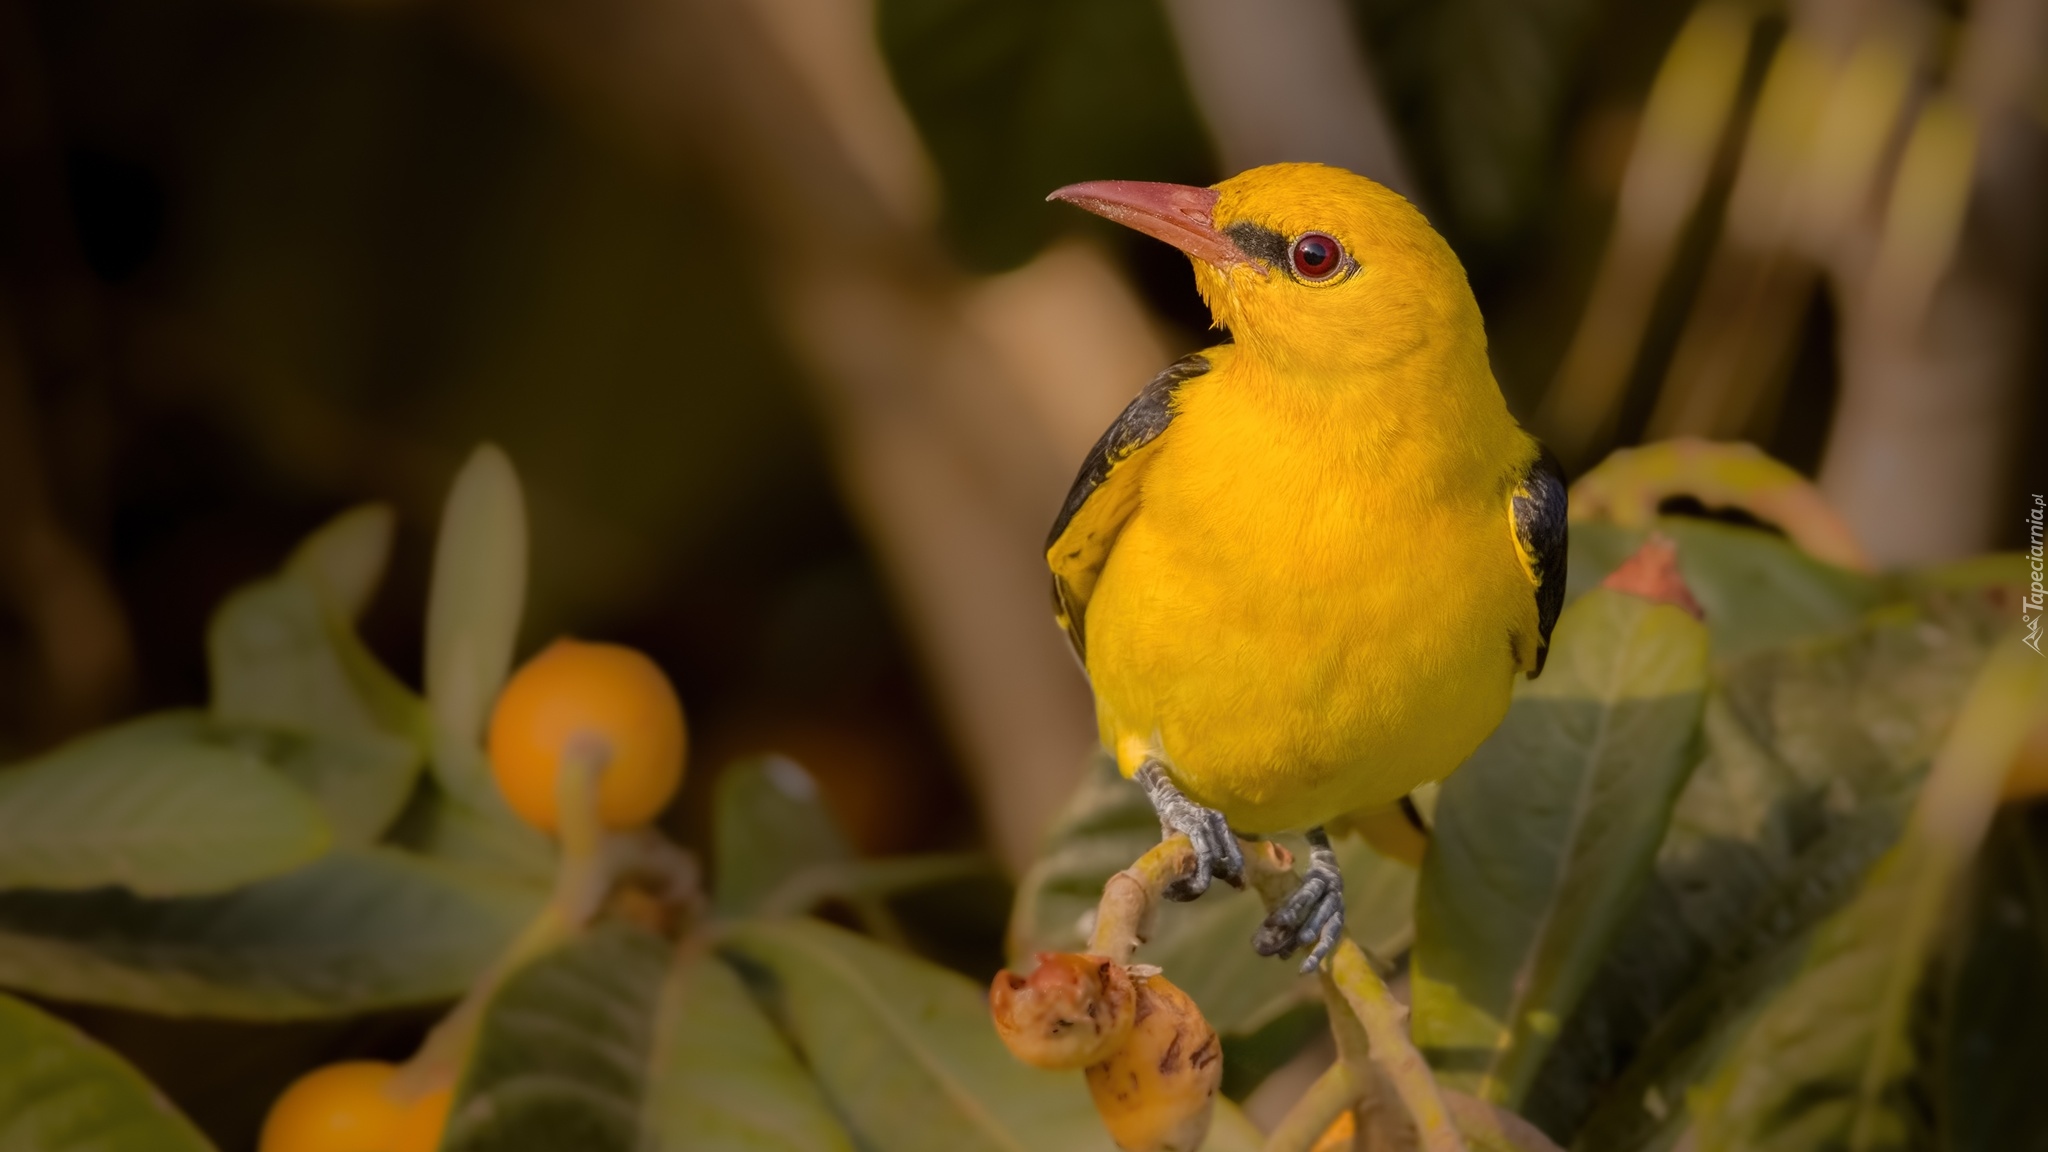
(1385, 1022)
(1123, 920)
(1370, 1026)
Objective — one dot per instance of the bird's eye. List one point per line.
(1317, 256)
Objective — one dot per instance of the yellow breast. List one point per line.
(1312, 609)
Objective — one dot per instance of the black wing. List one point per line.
(1104, 495)
(1541, 531)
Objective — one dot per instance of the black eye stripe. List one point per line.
(1262, 244)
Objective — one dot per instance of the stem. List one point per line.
(1385, 1025)
(1124, 918)
(1335, 1091)
(582, 877)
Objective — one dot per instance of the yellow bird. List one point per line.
(1304, 566)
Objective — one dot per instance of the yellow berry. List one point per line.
(604, 698)
(338, 1108)
(419, 1126)
(1072, 1011)
(1158, 1091)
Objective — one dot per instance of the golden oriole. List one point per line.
(1303, 567)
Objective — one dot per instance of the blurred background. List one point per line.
(763, 299)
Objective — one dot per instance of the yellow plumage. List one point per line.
(1306, 594)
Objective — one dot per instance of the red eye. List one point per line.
(1316, 256)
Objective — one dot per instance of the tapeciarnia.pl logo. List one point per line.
(2032, 603)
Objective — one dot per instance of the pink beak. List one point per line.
(1183, 216)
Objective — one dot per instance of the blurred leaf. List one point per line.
(345, 559)
(771, 825)
(491, 845)
(1828, 1059)
(360, 929)
(561, 1060)
(1995, 1050)
(1206, 944)
(1015, 98)
(154, 806)
(281, 659)
(473, 612)
(1480, 88)
(61, 1092)
(724, 1078)
(1758, 590)
(360, 781)
(1545, 838)
(905, 1051)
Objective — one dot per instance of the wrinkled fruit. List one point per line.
(1158, 1091)
(603, 700)
(1072, 1011)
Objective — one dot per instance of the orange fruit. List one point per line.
(419, 1126)
(606, 698)
(338, 1108)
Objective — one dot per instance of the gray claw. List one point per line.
(1215, 845)
(1313, 916)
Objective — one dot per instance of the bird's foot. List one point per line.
(1216, 850)
(1313, 916)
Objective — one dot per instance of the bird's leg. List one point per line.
(1216, 851)
(1313, 917)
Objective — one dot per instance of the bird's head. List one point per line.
(1310, 267)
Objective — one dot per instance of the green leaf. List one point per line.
(281, 658)
(1812, 751)
(284, 653)
(473, 611)
(1864, 712)
(360, 929)
(1989, 1083)
(615, 1041)
(723, 1077)
(1827, 1059)
(493, 845)
(620, 1041)
(154, 806)
(1758, 589)
(561, 1060)
(905, 1051)
(1480, 88)
(1545, 838)
(345, 559)
(1015, 99)
(771, 826)
(1206, 945)
(1699, 991)
(61, 1092)
(360, 781)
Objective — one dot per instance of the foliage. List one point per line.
(1694, 889)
